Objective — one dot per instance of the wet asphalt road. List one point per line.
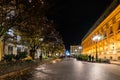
(71, 69)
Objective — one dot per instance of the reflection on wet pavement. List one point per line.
(71, 69)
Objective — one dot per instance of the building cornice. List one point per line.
(112, 6)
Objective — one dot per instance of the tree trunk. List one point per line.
(32, 53)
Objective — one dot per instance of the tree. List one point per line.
(54, 40)
(13, 12)
(7, 15)
(9, 37)
(27, 18)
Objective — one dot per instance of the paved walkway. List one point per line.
(115, 62)
(18, 68)
(71, 69)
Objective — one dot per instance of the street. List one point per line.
(71, 69)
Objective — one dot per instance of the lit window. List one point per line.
(10, 49)
(105, 35)
(119, 27)
(111, 30)
(18, 49)
(110, 57)
(119, 58)
(25, 50)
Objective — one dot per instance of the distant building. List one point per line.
(75, 49)
(103, 39)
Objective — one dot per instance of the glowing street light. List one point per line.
(67, 53)
(80, 47)
(30, 1)
(41, 39)
(96, 39)
(76, 50)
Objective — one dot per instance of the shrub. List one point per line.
(21, 55)
(8, 57)
(82, 57)
(28, 58)
(99, 60)
(45, 57)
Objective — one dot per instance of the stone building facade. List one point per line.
(107, 27)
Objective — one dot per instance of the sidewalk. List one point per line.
(20, 68)
(115, 62)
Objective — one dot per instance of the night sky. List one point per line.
(73, 18)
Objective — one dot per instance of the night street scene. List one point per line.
(59, 39)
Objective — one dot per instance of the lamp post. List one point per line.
(96, 39)
(41, 51)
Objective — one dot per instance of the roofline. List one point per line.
(112, 6)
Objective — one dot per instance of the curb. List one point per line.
(115, 62)
(21, 71)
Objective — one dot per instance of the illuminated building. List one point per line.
(75, 49)
(103, 39)
(9, 46)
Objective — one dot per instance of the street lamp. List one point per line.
(41, 51)
(96, 39)
(30, 1)
(41, 39)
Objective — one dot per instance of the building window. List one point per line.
(25, 50)
(111, 31)
(110, 57)
(119, 27)
(114, 20)
(18, 49)
(10, 49)
(104, 57)
(119, 58)
(101, 29)
(105, 35)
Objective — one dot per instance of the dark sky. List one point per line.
(74, 18)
